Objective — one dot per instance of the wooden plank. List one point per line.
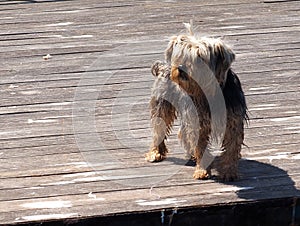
(45, 173)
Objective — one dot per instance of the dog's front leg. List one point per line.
(163, 115)
(202, 171)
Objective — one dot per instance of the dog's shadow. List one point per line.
(265, 195)
(258, 181)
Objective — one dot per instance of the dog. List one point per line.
(196, 74)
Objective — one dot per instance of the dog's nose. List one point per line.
(182, 68)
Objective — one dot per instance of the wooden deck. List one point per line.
(74, 126)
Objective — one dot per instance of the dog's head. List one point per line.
(191, 57)
(181, 75)
(178, 74)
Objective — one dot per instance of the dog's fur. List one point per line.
(181, 88)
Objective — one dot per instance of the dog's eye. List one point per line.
(183, 72)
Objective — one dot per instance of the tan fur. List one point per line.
(176, 91)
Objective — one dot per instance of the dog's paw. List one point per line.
(154, 156)
(228, 177)
(201, 174)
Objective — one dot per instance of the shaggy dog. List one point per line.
(197, 85)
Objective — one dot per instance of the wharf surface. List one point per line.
(75, 85)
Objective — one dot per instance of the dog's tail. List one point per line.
(160, 69)
(189, 27)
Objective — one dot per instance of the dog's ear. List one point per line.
(224, 55)
(223, 58)
(169, 49)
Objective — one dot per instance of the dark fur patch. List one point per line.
(234, 95)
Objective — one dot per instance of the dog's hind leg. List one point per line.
(233, 141)
(163, 115)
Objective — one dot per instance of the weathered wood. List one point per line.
(101, 52)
